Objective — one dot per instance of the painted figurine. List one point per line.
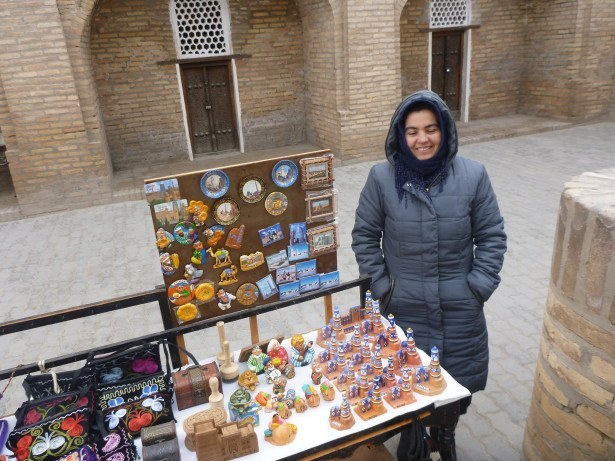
(280, 432)
(224, 299)
(316, 373)
(302, 354)
(256, 359)
(198, 254)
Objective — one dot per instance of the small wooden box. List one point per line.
(192, 384)
(159, 443)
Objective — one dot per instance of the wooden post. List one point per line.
(328, 308)
(254, 329)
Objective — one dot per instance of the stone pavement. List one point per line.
(67, 259)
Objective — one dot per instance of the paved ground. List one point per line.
(72, 258)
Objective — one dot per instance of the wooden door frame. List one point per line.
(233, 88)
(464, 68)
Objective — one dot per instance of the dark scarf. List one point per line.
(419, 173)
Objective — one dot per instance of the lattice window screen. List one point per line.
(201, 27)
(449, 13)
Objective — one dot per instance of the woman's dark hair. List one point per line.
(422, 105)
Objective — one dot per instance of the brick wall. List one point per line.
(139, 98)
(497, 57)
(570, 63)
(571, 414)
(271, 79)
(49, 150)
(414, 47)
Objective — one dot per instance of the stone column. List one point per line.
(572, 413)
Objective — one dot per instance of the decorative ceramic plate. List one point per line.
(169, 263)
(285, 173)
(276, 203)
(185, 232)
(252, 189)
(226, 211)
(180, 292)
(187, 313)
(247, 294)
(214, 183)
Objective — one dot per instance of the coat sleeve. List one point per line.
(367, 236)
(489, 240)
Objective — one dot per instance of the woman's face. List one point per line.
(422, 134)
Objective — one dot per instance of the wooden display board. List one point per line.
(180, 225)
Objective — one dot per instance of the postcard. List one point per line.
(309, 283)
(289, 290)
(306, 268)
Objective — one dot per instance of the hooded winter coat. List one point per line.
(434, 256)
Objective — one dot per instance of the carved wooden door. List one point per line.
(209, 104)
(446, 62)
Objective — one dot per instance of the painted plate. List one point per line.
(276, 203)
(214, 183)
(180, 292)
(185, 232)
(252, 189)
(205, 291)
(226, 211)
(285, 173)
(169, 263)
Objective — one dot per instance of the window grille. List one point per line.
(449, 13)
(201, 27)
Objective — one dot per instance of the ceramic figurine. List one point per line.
(368, 299)
(279, 385)
(192, 274)
(198, 253)
(242, 408)
(337, 324)
(430, 380)
(401, 394)
(355, 341)
(302, 353)
(327, 390)
(262, 398)
(248, 380)
(224, 299)
(271, 372)
(228, 276)
(221, 257)
(169, 263)
(280, 432)
(299, 404)
(256, 359)
(272, 403)
(277, 353)
(341, 418)
(316, 373)
(371, 406)
(311, 396)
(283, 410)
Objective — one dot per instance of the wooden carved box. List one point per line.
(159, 443)
(192, 384)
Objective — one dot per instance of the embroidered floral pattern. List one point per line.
(143, 413)
(35, 411)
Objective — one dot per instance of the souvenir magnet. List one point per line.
(284, 173)
(192, 274)
(306, 268)
(221, 256)
(235, 237)
(247, 294)
(186, 313)
(169, 263)
(224, 299)
(228, 276)
(226, 211)
(251, 261)
(162, 191)
(185, 232)
(329, 279)
(267, 287)
(316, 172)
(168, 213)
(277, 260)
(276, 203)
(309, 283)
(198, 210)
(289, 290)
(286, 274)
(297, 233)
(180, 292)
(322, 239)
(198, 254)
(271, 234)
(214, 183)
(204, 291)
(213, 234)
(163, 239)
(298, 251)
(252, 189)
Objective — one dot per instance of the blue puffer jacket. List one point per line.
(440, 254)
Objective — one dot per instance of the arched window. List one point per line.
(449, 13)
(201, 27)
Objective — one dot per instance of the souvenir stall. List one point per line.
(233, 243)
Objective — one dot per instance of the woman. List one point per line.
(429, 232)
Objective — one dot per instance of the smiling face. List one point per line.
(422, 134)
